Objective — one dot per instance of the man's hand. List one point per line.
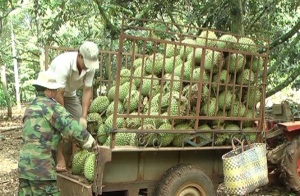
(83, 122)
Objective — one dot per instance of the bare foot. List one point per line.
(61, 168)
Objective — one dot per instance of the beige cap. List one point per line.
(90, 52)
(47, 79)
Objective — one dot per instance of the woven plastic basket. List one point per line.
(245, 168)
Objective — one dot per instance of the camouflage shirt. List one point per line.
(44, 122)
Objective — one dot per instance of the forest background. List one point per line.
(28, 26)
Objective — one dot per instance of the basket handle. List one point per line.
(234, 139)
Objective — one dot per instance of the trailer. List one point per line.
(184, 97)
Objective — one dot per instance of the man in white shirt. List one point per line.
(74, 70)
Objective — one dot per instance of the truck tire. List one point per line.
(183, 180)
(290, 165)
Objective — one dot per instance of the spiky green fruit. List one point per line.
(111, 107)
(195, 56)
(213, 61)
(166, 138)
(221, 80)
(207, 38)
(238, 109)
(184, 70)
(138, 74)
(197, 75)
(149, 83)
(171, 63)
(102, 133)
(89, 167)
(227, 41)
(246, 77)
(226, 98)
(120, 122)
(154, 64)
(210, 107)
(111, 93)
(138, 62)
(121, 139)
(235, 62)
(133, 122)
(180, 138)
(99, 104)
(124, 89)
(252, 97)
(93, 121)
(78, 161)
(203, 136)
(255, 64)
(171, 83)
(125, 75)
(247, 44)
(131, 101)
(187, 48)
(171, 50)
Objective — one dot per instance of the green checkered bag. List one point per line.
(245, 167)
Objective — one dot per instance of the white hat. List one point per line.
(90, 52)
(47, 79)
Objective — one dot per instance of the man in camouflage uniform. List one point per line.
(44, 122)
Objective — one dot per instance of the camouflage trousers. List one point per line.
(38, 188)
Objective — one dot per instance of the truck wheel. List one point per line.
(290, 165)
(185, 180)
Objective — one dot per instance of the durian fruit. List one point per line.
(154, 64)
(235, 62)
(171, 82)
(99, 104)
(221, 79)
(125, 75)
(102, 133)
(93, 121)
(166, 138)
(124, 89)
(255, 64)
(195, 56)
(133, 122)
(148, 84)
(213, 61)
(203, 136)
(238, 109)
(184, 71)
(78, 161)
(250, 114)
(185, 50)
(208, 38)
(226, 98)
(180, 138)
(111, 93)
(246, 44)
(131, 101)
(89, 167)
(119, 123)
(111, 107)
(227, 41)
(210, 107)
(171, 50)
(197, 75)
(138, 74)
(171, 63)
(252, 97)
(246, 77)
(138, 62)
(121, 139)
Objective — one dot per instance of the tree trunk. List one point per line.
(15, 62)
(4, 85)
(236, 11)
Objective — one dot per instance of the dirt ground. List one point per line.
(11, 142)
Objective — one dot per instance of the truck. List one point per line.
(170, 103)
